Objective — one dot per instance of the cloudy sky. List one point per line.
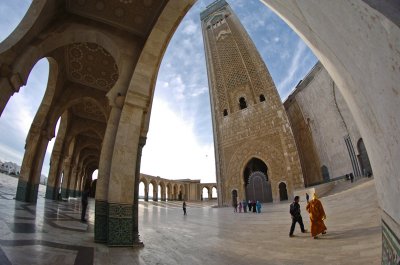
(179, 142)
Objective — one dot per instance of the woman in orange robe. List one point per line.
(317, 216)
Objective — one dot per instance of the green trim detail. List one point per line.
(120, 224)
(390, 246)
(100, 221)
(26, 191)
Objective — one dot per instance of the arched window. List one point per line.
(225, 112)
(242, 103)
(262, 98)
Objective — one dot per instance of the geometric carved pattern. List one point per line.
(120, 224)
(91, 65)
(89, 110)
(135, 16)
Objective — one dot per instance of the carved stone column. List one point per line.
(51, 188)
(66, 178)
(122, 226)
(146, 192)
(136, 237)
(101, 205)
(73, 181)
(32, 163)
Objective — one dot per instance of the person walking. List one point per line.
(258, 205)
(296, 216)
(184, 208)
(85, 201)
(244, 203)
(240, 207)
(317, 216)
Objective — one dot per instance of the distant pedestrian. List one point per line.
(184, 208)
(244, 203)
(253, 206)
(258, 205)
(235, 205)
(85, 201)
(240, 207)
(307, 197)
(250, 204)
(351, 177)
(296, 216)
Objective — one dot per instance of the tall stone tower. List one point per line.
(256, 155)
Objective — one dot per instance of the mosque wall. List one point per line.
(325, 131)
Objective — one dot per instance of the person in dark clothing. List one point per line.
(296, 216)
(84, 199)
(253, 206)
(184, 208)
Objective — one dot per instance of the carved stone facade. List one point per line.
(251, 129)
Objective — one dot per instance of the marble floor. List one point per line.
(51, 233)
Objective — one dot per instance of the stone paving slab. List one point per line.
(206, 235)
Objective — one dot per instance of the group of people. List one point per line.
(317, 216)
(254, 206)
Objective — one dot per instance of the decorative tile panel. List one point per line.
(120, 224)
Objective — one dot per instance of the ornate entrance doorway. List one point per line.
(258, 188)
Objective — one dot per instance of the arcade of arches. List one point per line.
(166, 189)
(101, 83)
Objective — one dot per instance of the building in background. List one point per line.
(328, 140)
(256, 156)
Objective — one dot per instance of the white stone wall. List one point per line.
(329, 126)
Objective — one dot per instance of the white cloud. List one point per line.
(8, 153)
(300, 50)
(190, 27)
(172, 150)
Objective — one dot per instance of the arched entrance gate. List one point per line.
(257, 184)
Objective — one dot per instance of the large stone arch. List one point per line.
(357, 42)
(272, 157)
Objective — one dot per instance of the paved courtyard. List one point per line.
(50, 232)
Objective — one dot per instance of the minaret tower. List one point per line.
(255, 151)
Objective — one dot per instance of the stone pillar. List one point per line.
(52, 181)
(32, 163)
(66, 178)
(163, 194)
(101, 205)
(155, 192)
(73, 181)
(210, 194)
(80, 181)
(56, 159)
(123, 182)
(146, 192)
(116, 101)
(136, 240)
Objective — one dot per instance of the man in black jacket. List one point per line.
(296, 216)
(84, 199)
